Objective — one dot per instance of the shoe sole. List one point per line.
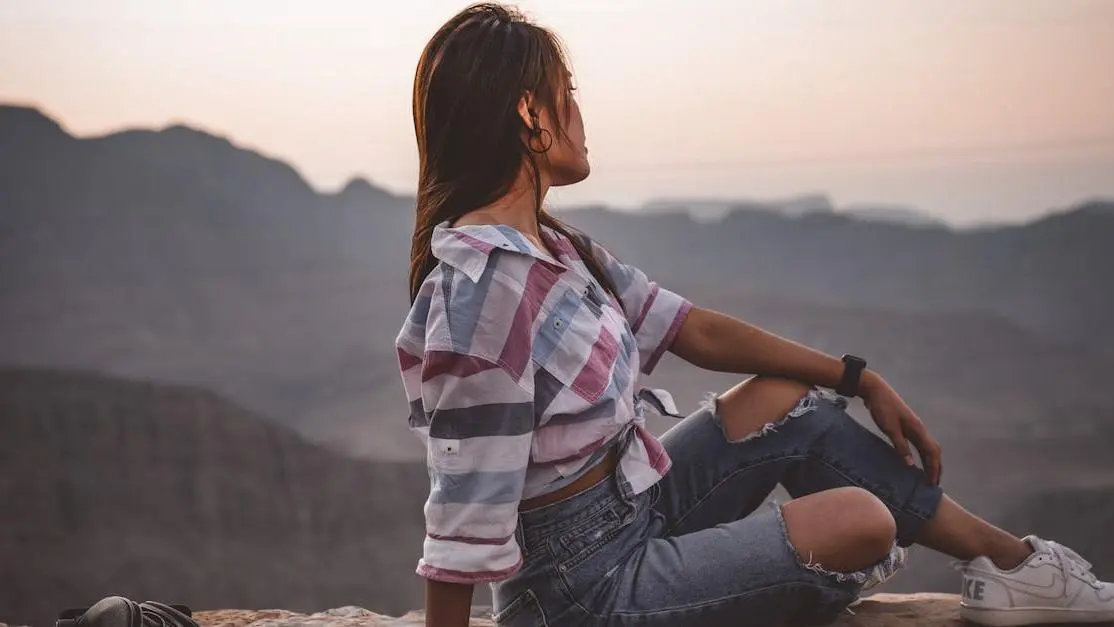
(1032, 616)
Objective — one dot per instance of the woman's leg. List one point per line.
(746, 408)
(845, 529)
(727, 458)
(745, 571)
(776, 564)
(703, 561)
(956, 532)
(699, 559)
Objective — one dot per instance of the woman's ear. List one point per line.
(526, 110)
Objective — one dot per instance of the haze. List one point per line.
(974, 110)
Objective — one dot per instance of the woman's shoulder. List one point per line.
(453, 306)
(499, 275)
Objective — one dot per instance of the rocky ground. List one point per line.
(882, 610)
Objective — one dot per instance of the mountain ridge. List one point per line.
(180, 256)
(13, 114)
(165, 491)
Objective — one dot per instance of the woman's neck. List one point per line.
(517, 208)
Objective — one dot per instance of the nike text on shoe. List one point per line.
(1053, 585)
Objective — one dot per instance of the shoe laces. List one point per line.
(1071, 563)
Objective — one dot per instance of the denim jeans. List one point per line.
(692, 550)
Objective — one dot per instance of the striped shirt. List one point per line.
(520, 370)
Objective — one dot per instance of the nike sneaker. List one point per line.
(1053, 585)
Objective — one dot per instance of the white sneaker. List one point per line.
(1053, 585)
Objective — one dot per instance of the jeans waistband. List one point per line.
(536, 524)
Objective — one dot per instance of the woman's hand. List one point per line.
(901, 425)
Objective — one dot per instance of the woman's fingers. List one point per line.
(928, 447)
(901, 445)
(933, 464)
(902, 426)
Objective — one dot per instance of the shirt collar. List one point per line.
(468, 247)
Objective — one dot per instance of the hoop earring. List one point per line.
(544, 139)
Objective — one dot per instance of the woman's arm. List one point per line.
(718, 342)
(447, 604)
(715, 341)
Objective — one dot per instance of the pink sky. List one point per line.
(972, 109)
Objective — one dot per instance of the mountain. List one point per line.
(968, 375)
(705, 210)
(1046, 276)
(714, 210)
(125, 487)
(231, 310)
(176, 255)
(895, 215)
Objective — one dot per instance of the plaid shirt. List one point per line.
(520, 369)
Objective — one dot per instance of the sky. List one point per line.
(973, 110)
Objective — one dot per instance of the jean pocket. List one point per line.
(523, 611)
(581, 541)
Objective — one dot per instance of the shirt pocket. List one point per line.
(578, 345)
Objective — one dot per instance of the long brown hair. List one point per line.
(467, 87)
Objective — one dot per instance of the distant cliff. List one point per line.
(178, 256)
(164, 492)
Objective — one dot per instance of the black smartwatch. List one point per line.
(852, 372)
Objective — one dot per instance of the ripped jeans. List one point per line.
(692, 550)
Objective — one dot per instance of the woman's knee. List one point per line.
(843, 529)
(751, 405)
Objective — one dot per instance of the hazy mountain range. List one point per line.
(170, 492)
(175, 255)
(179, 259)
(714, 210)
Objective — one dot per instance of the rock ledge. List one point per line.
(880, 610)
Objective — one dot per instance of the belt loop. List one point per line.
(624, 487)
(520, 536)
(626, 493)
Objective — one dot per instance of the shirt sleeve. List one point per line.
(654, 313)
(480, 427)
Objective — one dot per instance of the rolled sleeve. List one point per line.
(654, 313)
(479, 423)
(663, 314)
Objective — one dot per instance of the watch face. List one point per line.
(852, 359)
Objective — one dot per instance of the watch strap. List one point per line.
(853, 368)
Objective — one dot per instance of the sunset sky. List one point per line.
(973, 110)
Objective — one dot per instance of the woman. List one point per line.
(520, 357)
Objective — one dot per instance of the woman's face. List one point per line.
(567, 158)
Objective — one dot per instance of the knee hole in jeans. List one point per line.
(869, 538)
